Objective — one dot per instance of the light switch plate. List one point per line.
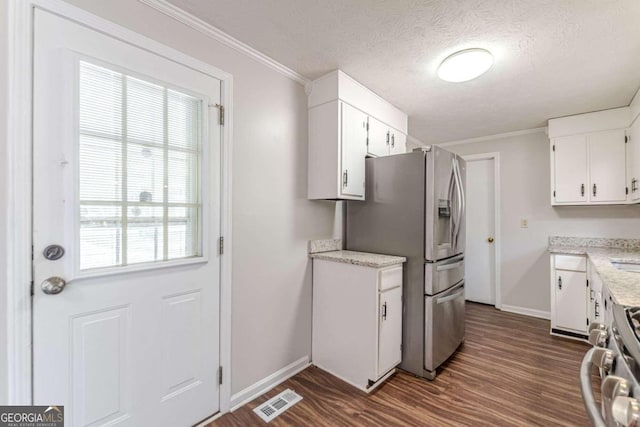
(524, 223)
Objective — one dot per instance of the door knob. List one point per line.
(490, 240)
(53, 285)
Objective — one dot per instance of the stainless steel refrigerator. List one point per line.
(415, 207)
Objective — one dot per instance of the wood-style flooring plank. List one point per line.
(509, 372)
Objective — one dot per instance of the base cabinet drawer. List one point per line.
(571, 262)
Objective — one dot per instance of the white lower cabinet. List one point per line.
(357, 321)
(569, 295)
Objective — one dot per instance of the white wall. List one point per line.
(525, 186)
(272, 220)
(3, 196)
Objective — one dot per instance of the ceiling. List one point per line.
(552, 57)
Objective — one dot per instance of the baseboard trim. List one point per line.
(526, 311)
(264, 385)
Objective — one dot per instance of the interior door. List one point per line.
(480, 249)
(126, 197)
(354, 150)
(570, 168)
(379, 138)
(607, 166)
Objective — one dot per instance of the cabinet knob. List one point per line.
(490, 240)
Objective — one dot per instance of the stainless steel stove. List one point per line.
(616, 352)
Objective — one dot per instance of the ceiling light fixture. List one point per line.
(465, 65)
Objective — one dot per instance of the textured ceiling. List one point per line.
(552, 57)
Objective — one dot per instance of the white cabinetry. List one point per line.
(589, 158)
(338, 140)
(357, 321)
(633, 161)
(596, 297)
(569, 295)
(589, 169)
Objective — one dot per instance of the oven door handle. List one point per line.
(593, 409)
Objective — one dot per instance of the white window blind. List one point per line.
(139, 169)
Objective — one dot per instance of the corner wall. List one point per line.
(525, 193)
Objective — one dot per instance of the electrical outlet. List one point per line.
(524, 223)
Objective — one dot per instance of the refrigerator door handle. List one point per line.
(452, 221)
(461, 199)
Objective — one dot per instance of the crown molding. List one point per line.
(217, 34)
(492, 137)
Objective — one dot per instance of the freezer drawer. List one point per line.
(444, 325)
(441, 275)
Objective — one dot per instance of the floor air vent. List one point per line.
(277, 405)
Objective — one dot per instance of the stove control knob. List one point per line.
(603, 358)
(626, 411)
(613, 386)
(596, 325)
(598, 337)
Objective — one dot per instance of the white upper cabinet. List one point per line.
(379, 138)
(570, 169)
(589, 158)
(607, 167)
(398, 143)
(354, 149)
(338, 107)
(633, 161)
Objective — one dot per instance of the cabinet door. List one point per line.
(389, 330)
(607, 166)
(354, 150)
(571, 300)
(633, 164)
(570, 169)
(398, 142)
(379, 137)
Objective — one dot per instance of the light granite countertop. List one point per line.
(359, 258)
(624, 286)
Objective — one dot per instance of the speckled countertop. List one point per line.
(360, 258)
(624, 286)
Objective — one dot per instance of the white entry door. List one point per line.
(480, 282)
(126, 181)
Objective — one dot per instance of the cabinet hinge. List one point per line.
(554, 193)
(626, 139)
(31, 289)
(587, 283)
(367, 141)
(220, 375)
(221, 245)
(626, 190)
(554, 147)
(32, 253)
(587, 321)
(220, 112)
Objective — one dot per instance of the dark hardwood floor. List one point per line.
(509, 372)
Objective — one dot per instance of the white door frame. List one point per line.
(496, 191)
(19, 178)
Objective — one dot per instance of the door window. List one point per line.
(140, 145)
